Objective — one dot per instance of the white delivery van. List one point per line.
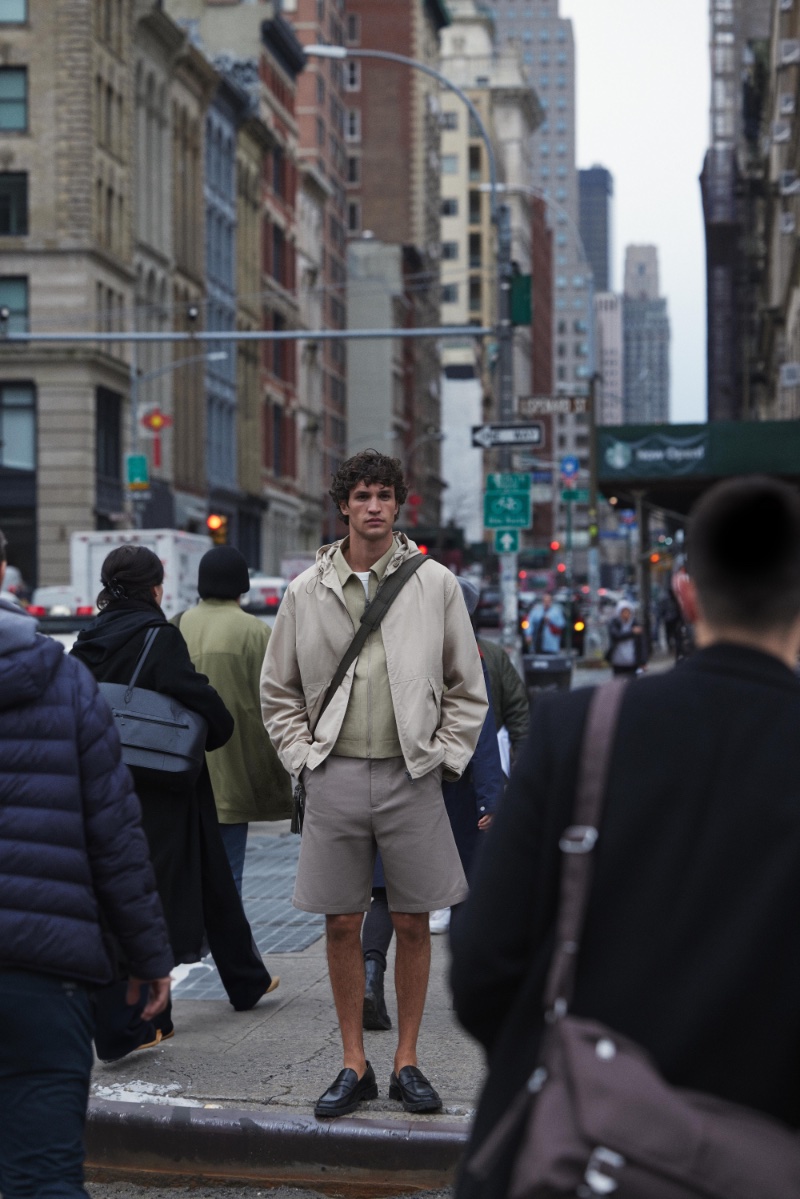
(179, 552)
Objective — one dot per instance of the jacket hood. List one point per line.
(113, 628)
(28, 661)
(405, 548)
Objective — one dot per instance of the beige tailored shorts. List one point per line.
(355, 806)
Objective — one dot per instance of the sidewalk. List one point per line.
(274, 1061)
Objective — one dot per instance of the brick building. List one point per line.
(392, 132)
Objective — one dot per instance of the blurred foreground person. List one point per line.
(193, 874)
(75, 865)
(228, 646)
(691, 945)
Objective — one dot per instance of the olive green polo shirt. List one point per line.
(369, 729)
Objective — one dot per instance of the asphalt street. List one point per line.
(125, 1190)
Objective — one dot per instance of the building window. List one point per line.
(353, 216)
(320, 90)
(108, 440)
(13, 204)
(562, 374)
(450, 249)
(352, 130)
(450, 293)
(352, 76)
(14, 296)
(449, 164)
(13, 12)
(449, 120)
(17, 426)
(353, 27)
(450, 206)
(353, 169)
(13, 98)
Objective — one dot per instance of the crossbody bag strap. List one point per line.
(372, 616)
(152, 633)
(579, 840)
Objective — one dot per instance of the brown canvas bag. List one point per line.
(598, 1118)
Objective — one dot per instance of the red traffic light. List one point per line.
(555, 546)
(561, 568)
(218, 528)
(423, 549)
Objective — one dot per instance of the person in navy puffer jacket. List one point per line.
(73, 861)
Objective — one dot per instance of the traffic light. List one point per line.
(555, 546)
(423, 549)
(218, 528)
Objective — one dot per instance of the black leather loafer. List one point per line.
(346, 1092)
(414, 1091)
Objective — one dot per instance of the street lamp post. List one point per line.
(501, 218)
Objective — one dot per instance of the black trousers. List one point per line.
(45, 1063)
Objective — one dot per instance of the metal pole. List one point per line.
(236, 335)
(593, 644)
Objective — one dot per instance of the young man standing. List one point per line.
(408, 713)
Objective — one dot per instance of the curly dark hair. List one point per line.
(368, 466)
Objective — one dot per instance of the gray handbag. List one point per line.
(596, 1116)
(157, 732)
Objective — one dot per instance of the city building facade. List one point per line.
(646, 339)
(392, 132)
(774, 386)
(609, 352)
(596, 191)
(509, 110)
(732, 185)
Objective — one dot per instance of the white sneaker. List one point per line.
(440, 920)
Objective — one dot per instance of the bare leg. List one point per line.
(346, 970)
(411, 971)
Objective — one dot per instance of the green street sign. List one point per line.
(574, 495)
(508, 482)
(507, 510)
(138, 477)
(506, 541)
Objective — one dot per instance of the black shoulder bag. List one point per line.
(157, 732)
(372, 616)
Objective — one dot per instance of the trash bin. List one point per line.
(547, 672)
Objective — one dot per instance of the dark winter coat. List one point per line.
(173, 815)
(72, 850)
(509, 697)
(479, 790)
(692, 943)
(617, 633)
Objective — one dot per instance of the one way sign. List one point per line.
(487, 436)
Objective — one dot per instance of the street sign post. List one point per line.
(506, 541)
(506, 510)
(508, 482)
(552, 405)
(486, 437)
(570, 466)
(575, 495)
(138, 476)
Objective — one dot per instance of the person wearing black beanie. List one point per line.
(223, 574)
(228, 646)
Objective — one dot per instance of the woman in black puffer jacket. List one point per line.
(193, 876)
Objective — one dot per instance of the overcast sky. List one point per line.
(643, 99)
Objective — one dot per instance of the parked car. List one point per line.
(264, 597)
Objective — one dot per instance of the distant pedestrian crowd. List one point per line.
(638, 874)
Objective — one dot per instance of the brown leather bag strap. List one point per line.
(579, 840)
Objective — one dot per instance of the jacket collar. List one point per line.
(326, 569)
(742, 661)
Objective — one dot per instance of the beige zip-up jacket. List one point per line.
(432, 659)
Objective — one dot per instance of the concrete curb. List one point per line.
(345, 1156)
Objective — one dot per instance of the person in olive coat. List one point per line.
(193, 877)
(229, 646)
